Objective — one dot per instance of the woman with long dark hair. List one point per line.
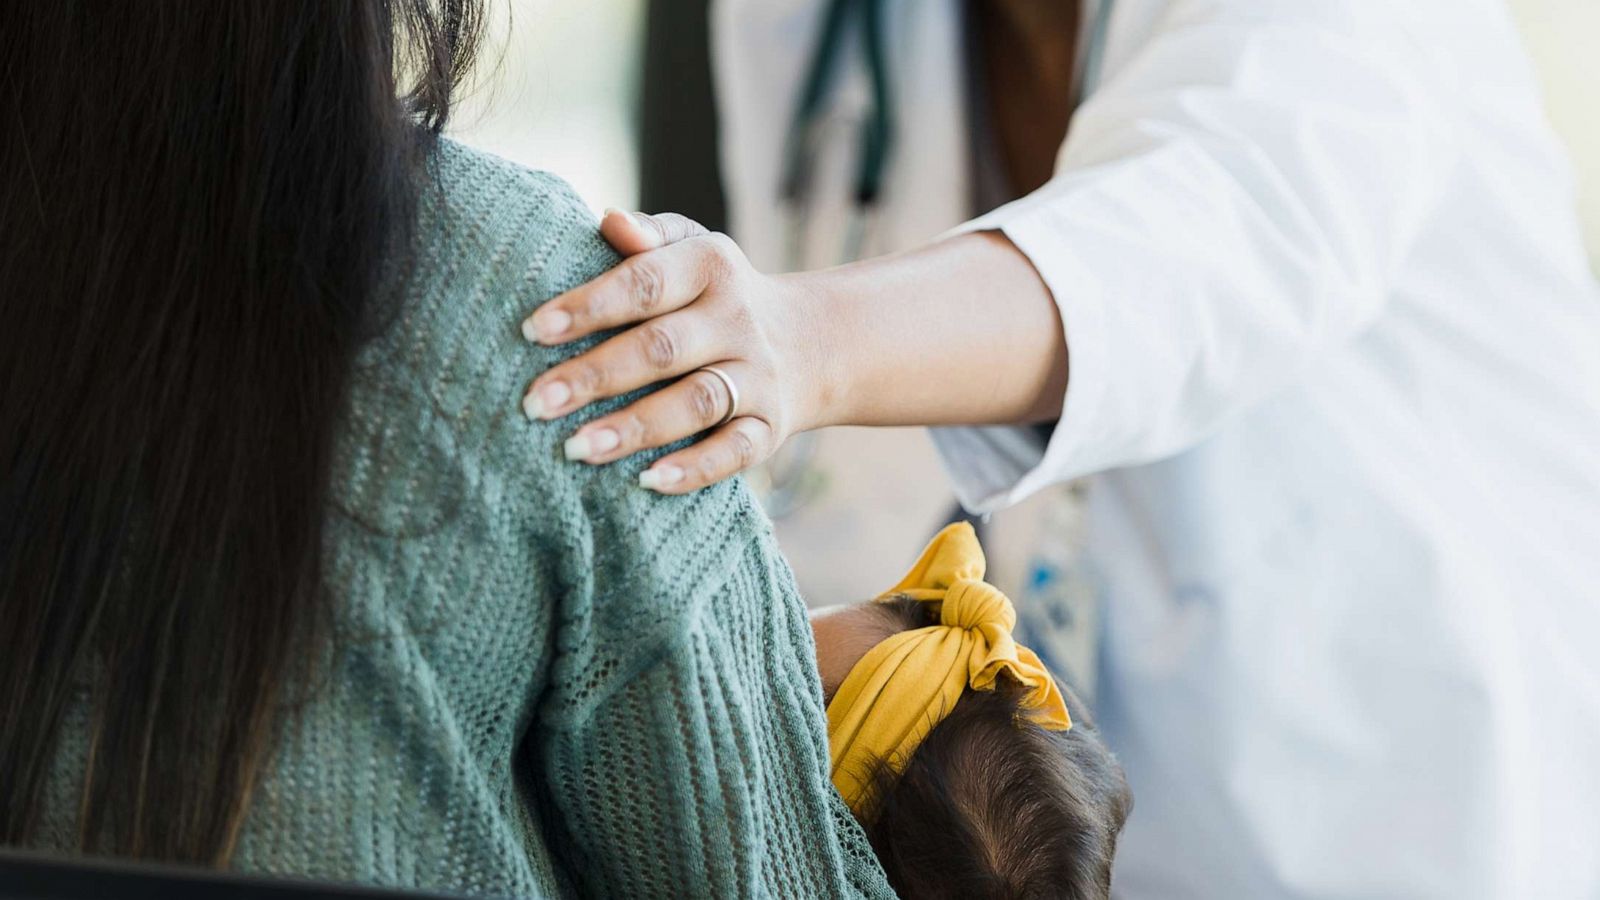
(287, 582)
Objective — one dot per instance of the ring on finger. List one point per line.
(733, 394)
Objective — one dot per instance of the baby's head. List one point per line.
(990, 803)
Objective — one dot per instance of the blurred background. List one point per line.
(591, 92)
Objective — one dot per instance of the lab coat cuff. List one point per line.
(993, 467)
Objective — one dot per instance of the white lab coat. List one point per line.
(1336, 349)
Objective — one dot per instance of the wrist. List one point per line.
(816, 344)
(961, 331)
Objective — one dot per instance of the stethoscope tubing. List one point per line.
(877, 131)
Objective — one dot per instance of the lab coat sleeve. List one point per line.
(1229, 206)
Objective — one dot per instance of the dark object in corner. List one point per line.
(32, 877)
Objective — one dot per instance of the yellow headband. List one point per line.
(905, 685)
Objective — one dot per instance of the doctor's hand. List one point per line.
(693, 300)
(960, 331)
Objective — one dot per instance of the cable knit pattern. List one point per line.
(542, 680)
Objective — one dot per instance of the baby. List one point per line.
(973, 773)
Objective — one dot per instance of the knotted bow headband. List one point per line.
(905, 685)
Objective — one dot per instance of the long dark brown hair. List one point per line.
(198, 204)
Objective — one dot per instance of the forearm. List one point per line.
(962, 331)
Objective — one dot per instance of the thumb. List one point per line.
(631, 233)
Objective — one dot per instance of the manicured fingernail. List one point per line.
(638, 221)
(546, 325)
(660, 477)
(542, 403)
(585, 446)
(552, 397)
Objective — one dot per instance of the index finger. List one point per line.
(641, 287)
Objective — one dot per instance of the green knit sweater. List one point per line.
(543, 680)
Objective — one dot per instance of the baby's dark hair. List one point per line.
(991, 805)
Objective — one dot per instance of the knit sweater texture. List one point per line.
(541, 680)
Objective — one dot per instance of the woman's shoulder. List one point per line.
(492, 241)
(473, 184)
(489, 229)
(437, 389)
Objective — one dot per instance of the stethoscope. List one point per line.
(876, 135)
(789, 478)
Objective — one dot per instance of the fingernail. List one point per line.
(660, 477)
(552, 397)
(546, 325)
(639, 222)
(585, 446)
(542, 403)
